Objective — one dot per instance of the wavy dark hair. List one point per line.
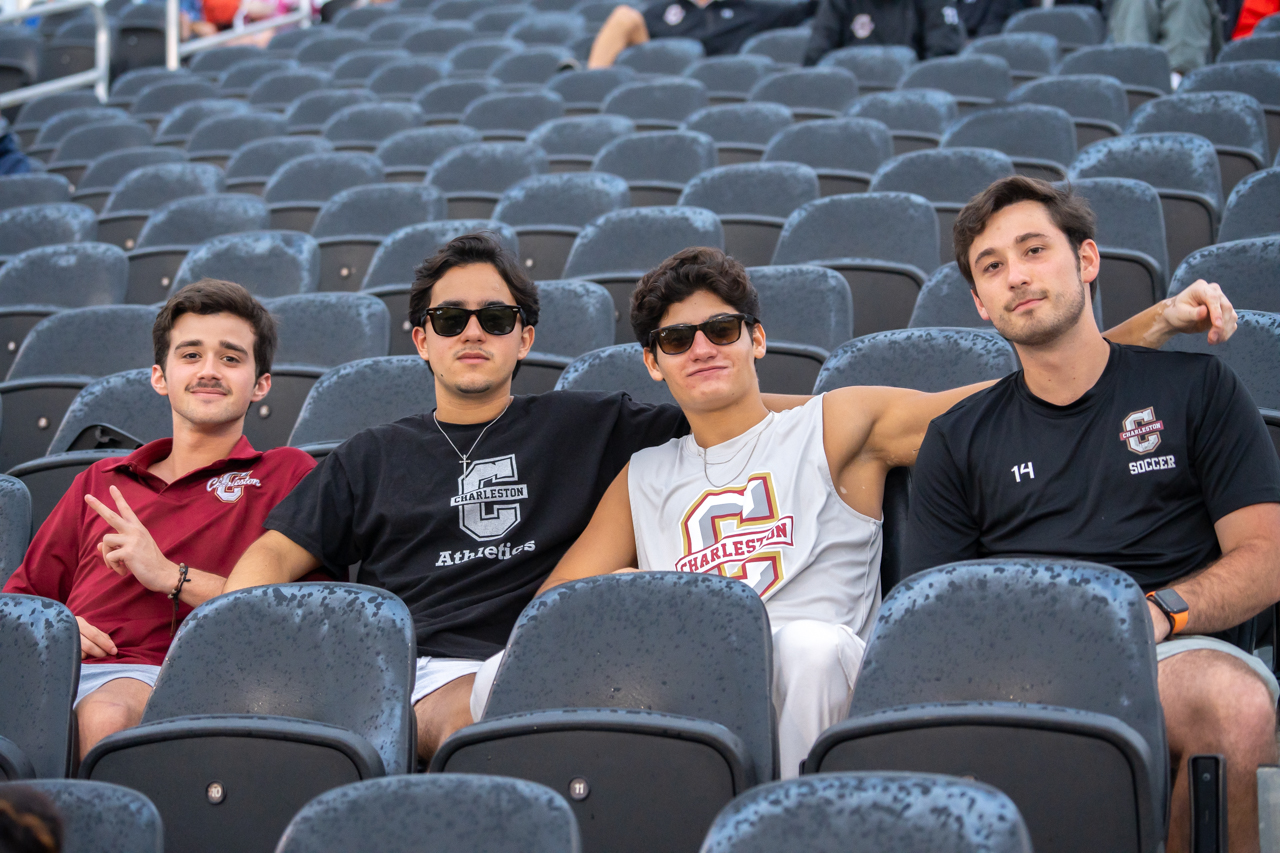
(684, 274)
(483, 247)
(212, 296)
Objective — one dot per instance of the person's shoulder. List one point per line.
(288, 458)
(1149, 363)
(586, 403)
(659, 457)
(976, 409)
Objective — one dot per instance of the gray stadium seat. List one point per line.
(34, 113)
(512, 115)
(809, 92)
(361, 18)
(308, 113)
(144, 190)
(473, 177)
(221, 710)
(557, 28)
(15, 521)
(662, 56)
(620, 247)
(1257, 46)
(948, 177)
(870, 812)
(1233, 122)
(473, 58)
(333, 46)
(976, 80)
(34, 188)
(1244, 268)
(1184, 170)
(1259, 78)
(741, 131)
(1040, 140)
(97, 182)
(806, 312)
(455, 811)
(34, 225)
(407, 156)
(401, 79)
(39, 676)
(238, 80)
(915, 117)
(1030, 55)
(574, 317)
(583, 91)
(843, 151)
(212, 63)
(249, 170)
(438, 38)
(1253, 210)
(1097, 104)
(785, 45)
(1250, 353)
(660, 104)
(729, 79)
(753, 201)
(298, 189)
(615, 368)
(360, 127)
(79, 147)
(178, 124)
(1073, 26)
(927, 701)
(352, 225)
(657, 165)
(446, 10)
(175, 228)
(56, 127)
(946, 300)
(877, 67)
(361, 394)
(97, 816)
(277, 90)
(495, 20)
(1142, 68)
(549, 211)
(445, 102)
(532, 66)
(884, 244)
(158, 98)
(573, 142)
(267, 263)
(926, 359)
(354, 68)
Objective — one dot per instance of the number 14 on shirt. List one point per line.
(1023, 469)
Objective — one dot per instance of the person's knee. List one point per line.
(1218, 699)
(104, 715)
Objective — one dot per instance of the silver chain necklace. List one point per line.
(706, 473)
(465, 458)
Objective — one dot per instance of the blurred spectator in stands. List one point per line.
(987, 17)
(929, 27)
(1190, 31)
(140, 540)
(1242, 17)
(722, 26)
(12, 160)
(29, 821)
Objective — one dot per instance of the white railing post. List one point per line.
(172, 34)
(99, 77)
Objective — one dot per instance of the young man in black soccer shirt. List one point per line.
(1155, 463)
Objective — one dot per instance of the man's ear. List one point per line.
(420, 342)
(1090, 261)
(651, 364)
(158, 381)
(758, 344)
(982, 309)
(261, 387)
(527, 334)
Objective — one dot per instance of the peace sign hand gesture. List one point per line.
(131, 548)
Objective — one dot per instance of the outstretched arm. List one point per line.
(607, 545)
(274, 558)
(1202, 307)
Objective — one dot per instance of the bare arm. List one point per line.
(274, 558)
(1241, 583)
(1202, 307)
(607, 545)
(624, 27)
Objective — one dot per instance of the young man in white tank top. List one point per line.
(790, 501)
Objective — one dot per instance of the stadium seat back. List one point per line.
(267, 263)
(495, 20)
(106, 171)
(1098, 104)
(125, 404)
(309, 112)
(378, 209)
(473, 177)
(1040, 140)
(408, 155)
(535, 65)
(1073, 27)
(277, 90)
(298, 189)
(573, 142)
(211, 63)
(1142, 68)
(148, 187)
(615, 368)
(843, 151)
(729, 78)
(404, 78)
(877, 67)
(785, 45)
(924, 359)
(39, 676)
(512, 115)
(354, 68)
(188, 221)
(445, 102)
(178, 124)
(439, 38)
(241, 77)
(34, 188)
(1244, 268)
(1233, 122)
(1251, 353)
(1030, 55)
(34, 113)
(662, 56)
(57, 126)
(363, 126)
(99, 816)
(474, 57)
(806, 312)
(332, 47)
(251, 166)
(975, 79)
(448, 10)
(741, 131)
(34, 225)
(946, 300)
(1259, 78)
(91, 341)
(657, 164)
(549, 210)
(93, 140)
(555, 28)
(809, 92)
(15, 521)
(916, 117)
(753, 200)
(576, 317)
(1257, 46)
(656, 104)
(160, 97)
(586, 89)
(361, 394)
(1253, 210)
(328, 329)
(74, 275)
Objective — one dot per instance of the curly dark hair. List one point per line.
(683, 274)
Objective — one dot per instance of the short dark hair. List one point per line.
(213, 296)
(483, 247)
(1070, 213)
(29, 821)
(683, 274)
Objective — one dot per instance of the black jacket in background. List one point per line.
(987, 17)
(930, 27)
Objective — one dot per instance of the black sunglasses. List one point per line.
(494, 319)
(721, 330)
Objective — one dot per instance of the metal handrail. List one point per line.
(99, 76)
(175, 49)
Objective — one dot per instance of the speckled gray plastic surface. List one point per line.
(180, 122)
(533, 65)
(753, 189)
(1034, 52)
(614, 368)
(168, 92)
(1257, 77)
(328, 329)
(378, 209)
(488, 167)
(675, 156)
(926, 359)
(106, 171)
(1083, 95)
(1074, 27)
(876, 65)
(34, 225)
(39, 674)
(93, 140)
(946, 300)
(71, 275)
(975, 75)
(405, 250)
(1224, 118)
(1129, 215)
(750, 122)
(361, 394)
(445, 812)
(513, 111)
(449, 97)
(148, 187)
(850, 143)
(662, 56)
(1023, 130)
(582, 135)
(1246, 269)
(99, 817)
(900, 227)
(34, 188)
(870, 813)
(190, 221)
(639, 238)
(1253, 210)
(828, 88)
(590, 86)
(56, 127)
(371, 123)
(313, 109)
(15, 524)
(266, 263)
(952, 175)
(562, 198)
(226, 133)
(1132, 64)
(1253, 352)
(319, 177)
(332, 653)
(664, 99)
(260, 159)
(575, 317)
(420, 146)
(804, 304)
(921, 110)
(94, 341)
(123, 400)
(623, 641)
(1178, 161)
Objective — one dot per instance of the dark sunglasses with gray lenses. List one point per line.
(721, 330)
(448, 322)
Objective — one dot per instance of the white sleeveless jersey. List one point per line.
(762, 508)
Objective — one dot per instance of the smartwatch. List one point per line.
(1173, 606)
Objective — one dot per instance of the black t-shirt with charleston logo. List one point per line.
(722, 26)
(1132, 475)
(467, 549)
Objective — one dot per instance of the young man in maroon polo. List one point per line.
(140, 540)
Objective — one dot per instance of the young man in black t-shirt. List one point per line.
(931, 28)
(1155, 463)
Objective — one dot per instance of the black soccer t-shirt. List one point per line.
(466, 549)
(1132, 475)
(722, 26)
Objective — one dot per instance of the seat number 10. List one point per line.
(1025, 469)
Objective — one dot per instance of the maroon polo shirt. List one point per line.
(206, 519)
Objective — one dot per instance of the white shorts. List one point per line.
(1194, 642)
(434, 673)
(94, 675)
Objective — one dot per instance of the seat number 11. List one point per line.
(1023, 469)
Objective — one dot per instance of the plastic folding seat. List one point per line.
(572, 142)
(557, 28)
(807, 313)
(784, 46)
(266, 263)
(657, 165)
(276, 91)
(926, 700)
(660, 104)
(210, 64)
(288, 40)
(391, 271)
(407, 156)
(361, 394)
(331, 47)
(495, 20)
(33, 114)
(1073, 26)
(144, 189)
(729, 79)
(1040, 140)
(253, 164)
(1184, 170)
(57, 127)
(510, 116)
(1097, 104)
(620, 247)
(809, 92)
(127, 86)
(868, 812)
(843, 151)
(439, 38)
(753, 201)
(216, 139)
(948, 177)
(1251, 354)
(352, 225)
(1257, 46)
(33, 225)
(71, 50)
(160, 97)
(15, 521)
(354, 68)
(450, 10)
(924, 359)
(877, 67)
(360, 127)
(915, 117)
(977, 80)
(473, 58)
(616, 368)
(98, 816)
(531, 67)
(575, 317)
(40, 674)
(662, 56)
(299, 188)
(59, 356)
(549, 211)
(1233, 122)
(1030, 55)
(445, 102)
(473, 177)
(741, 131)
(1268, 24)
(1142, 68)
(631, 705)
(142, 36)
(946, 300)
(33, 188)
(220, 710)
(583, 91)
(19, 59)
(1253, 210)
(401, 79)
(1259, 78)
(1244, 268)
(239, 79)
(884, 244)
(309, 112)
(361, 18)
(81, 146)
(177, 126)
(392, 28)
